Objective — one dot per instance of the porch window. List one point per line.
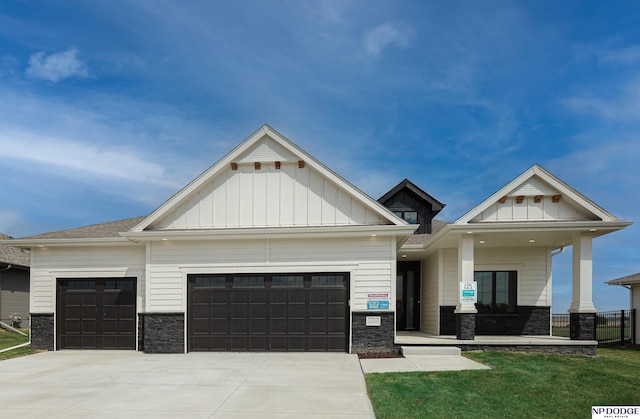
(497, 291)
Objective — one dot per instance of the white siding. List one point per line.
(268, 197)
(529, 210)
(429, 304)
(369, 260)
(531, 264)
(79, 262)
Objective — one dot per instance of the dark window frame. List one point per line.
(403, 214)
(492, 307)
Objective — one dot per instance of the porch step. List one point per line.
(430, 350)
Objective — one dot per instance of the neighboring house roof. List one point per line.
(435, 204)
(94, 231)
(625, 280)
(13, 256)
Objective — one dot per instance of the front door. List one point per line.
(408, 296)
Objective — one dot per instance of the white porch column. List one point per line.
(465, 269)
(582, 296)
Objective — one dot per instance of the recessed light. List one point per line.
(404, 256)
(469, 232)
(482, 242)
(593, 229)
(373, 235)
(532, 241)
(164, 239)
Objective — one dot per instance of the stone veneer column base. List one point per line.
(582, 326)
(373, 340)
(42, 331)
(465, 326)
(161, 333)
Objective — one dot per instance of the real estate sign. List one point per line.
(468, 292)
(379, 301)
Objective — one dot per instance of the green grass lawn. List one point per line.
(518, 386)
(9, 339)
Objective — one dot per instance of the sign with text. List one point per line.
(468, 292)
(379, 301)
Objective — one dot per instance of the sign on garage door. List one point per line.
(255, 312)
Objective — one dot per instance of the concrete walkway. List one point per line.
(110, 384)
(421, 363)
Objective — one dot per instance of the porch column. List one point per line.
(582, 312)
(465, 313)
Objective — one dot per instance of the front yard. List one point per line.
(519, 385)
(9, 339)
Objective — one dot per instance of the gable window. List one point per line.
(409, 216)
(497, 291)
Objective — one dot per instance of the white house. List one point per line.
(270, 250)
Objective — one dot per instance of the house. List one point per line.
(270, 250)
(14, 284)
(632, 283)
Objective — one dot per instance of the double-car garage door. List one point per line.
(256, 312)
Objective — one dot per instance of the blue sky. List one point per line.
(108, 108)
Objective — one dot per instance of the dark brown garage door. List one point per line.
(287, 312)
(97, 313)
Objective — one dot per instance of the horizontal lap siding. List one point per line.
(48, 263)
(531, 263)
(371, 257)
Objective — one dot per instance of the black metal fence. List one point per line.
(612, 327)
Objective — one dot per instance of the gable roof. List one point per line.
(264, 146)
(407, 184)
(13, 256)
(577, 199)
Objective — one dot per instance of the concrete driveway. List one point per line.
(195, 385)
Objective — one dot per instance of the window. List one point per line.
(497, 291)
(409, 216)
(210, 282)
(248, 282)
(327, 281)
(287, 281)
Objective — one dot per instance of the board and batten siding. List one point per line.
(370, 260)
(268, 197)
(50, 263)
(429, 304)
(532, 264)
(530, 210)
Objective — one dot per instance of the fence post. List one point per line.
(621, 327)
(632, 325)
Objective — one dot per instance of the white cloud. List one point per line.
(72, 158)
(58, 66)
(384, 36)
(628, 55)
(623, 108)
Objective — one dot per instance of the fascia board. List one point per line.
(104, 241)
(271, 232)
(494, 227)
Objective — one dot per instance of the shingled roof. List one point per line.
(436, 226)
(13, 256)
(94, 231)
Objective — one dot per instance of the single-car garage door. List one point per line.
(96, 313)
(254, 312)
